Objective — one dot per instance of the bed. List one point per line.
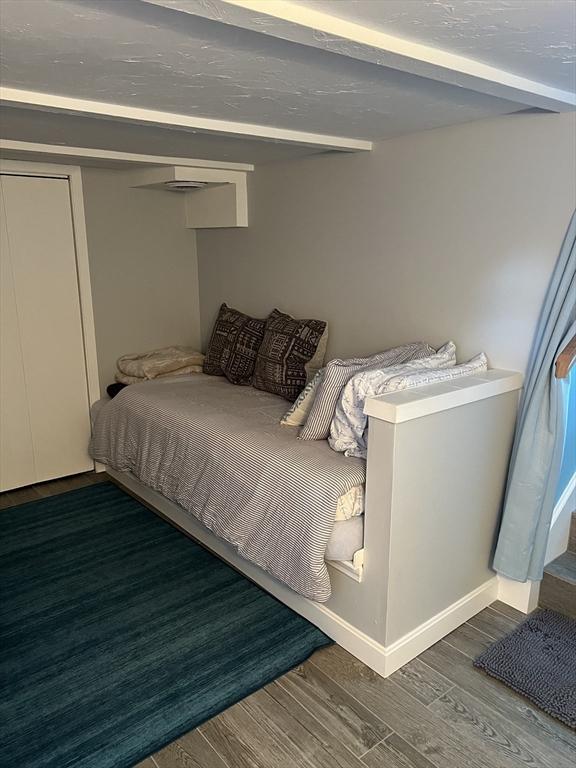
(219, 452)
(266, 502)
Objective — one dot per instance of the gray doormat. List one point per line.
(538, 660)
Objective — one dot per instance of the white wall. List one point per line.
(450, 233)
(143, 268)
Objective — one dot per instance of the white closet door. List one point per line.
(44, 398)
(16, 454)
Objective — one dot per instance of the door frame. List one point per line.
(74, 175)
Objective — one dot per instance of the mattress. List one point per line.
(220, 453)
(347, 538)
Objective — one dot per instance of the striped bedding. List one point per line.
(219, 452)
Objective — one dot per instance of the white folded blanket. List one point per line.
(158, 363)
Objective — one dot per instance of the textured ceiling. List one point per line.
(532, 38)
(130, 53)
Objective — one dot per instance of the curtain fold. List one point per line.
(540, 430)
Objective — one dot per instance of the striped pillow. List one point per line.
(337, 374)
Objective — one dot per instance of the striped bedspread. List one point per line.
(218, 451)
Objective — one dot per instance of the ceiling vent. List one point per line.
(184, 186)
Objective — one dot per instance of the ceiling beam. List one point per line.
(15, 97)
(21, 149)
(317, 29)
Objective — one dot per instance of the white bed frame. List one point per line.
(437, 461)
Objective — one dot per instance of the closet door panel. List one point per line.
(41, 240)
(16, 454)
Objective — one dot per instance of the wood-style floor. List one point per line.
(334, 712)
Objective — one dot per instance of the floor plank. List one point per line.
(65, 484)
(320, 746)
(191, 751)
(18, 496)
(148, 763)
(382, 756)
(395, 752)
(503, 700)
(416, 724)
(347, 719)
(243, 742)
(420, 680)
(507, 610)
(50, 488)
(469, 640)
(508, 745)
(492, 623)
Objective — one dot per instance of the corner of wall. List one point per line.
(143, 267)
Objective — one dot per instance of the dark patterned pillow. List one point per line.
(238, 362)
(234, 345)
(287, 346)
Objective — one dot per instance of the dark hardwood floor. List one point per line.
(334, 712)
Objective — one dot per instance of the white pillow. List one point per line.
(347, 431)
(477, 364)
(315, 364)
(298, 412)
(338, 372)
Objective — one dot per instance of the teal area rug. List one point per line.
(119, 634)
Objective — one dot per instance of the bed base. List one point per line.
(437, 461)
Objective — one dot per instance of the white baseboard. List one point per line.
(387, 659)
(522, 595)
(433, 630)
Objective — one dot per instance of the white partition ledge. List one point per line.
(408, 404)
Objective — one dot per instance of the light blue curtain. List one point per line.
(540, 431)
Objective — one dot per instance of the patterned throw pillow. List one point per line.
(287, 346)
(338, 372)
(234, 346)
(298, 412)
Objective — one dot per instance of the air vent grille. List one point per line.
(184, 186)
